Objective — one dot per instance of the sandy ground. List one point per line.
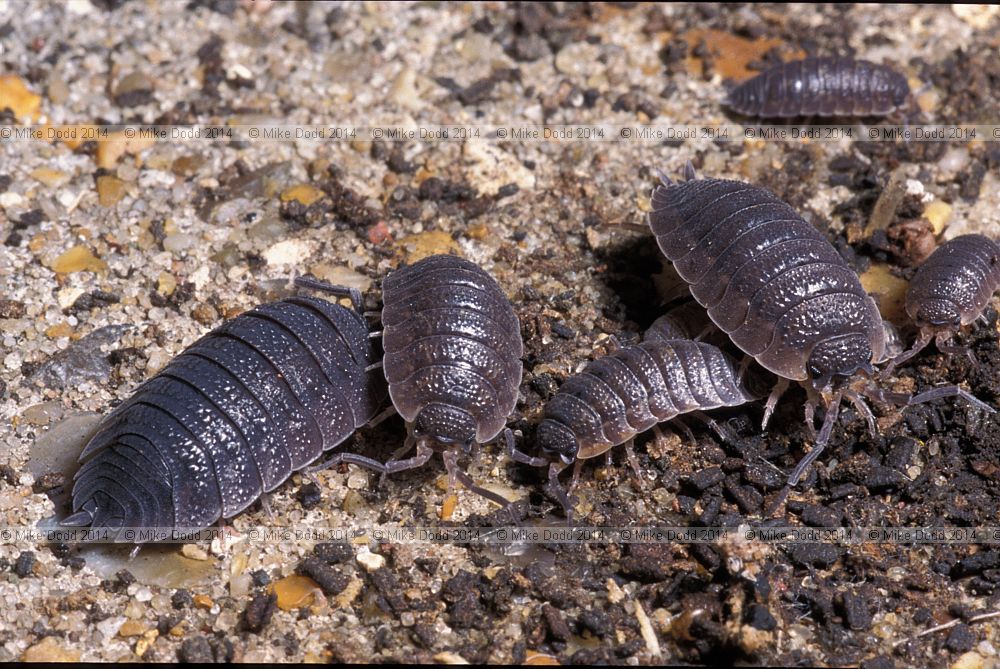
(119, 253)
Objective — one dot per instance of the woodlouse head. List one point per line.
(839, 359)
(445, 424)
(557, 441)
(938, 314)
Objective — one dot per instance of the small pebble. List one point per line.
(372, 562)
(78, 259)
(193, 552)
(25, 564)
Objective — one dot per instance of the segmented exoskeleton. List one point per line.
(951, 289)
(821, 87)
(781, 292)
(230, 418)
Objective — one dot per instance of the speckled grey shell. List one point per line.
(231, 417)
(821, 87)
(629, 391)
(767, 278)
(957, 279)
(685, 321)
(451, 336)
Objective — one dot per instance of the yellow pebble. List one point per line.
(478, 231)
(426, 244)
(109, 190)
(49, 177)
(303, 193)
(131, 628)
(15, 95)
(889, 291)
(166, 284)
(938, 213)
(59, 330)
(295, 592)
(50, 650)
(78, 259)
(448, 507)
(203, 602)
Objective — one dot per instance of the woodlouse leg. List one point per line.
(388, 412)
(707, 331)
(456, 473)
(950, 391)
(810, 412)
(772, 400)
(724, 433)
(864, 410)
(958, 350)
(800, 469)
(313, 283)
(633, 462)
(265, 504)
(744, 366)
(557, 491)
(396, 455)
(520, 456)
(577, 468)
(424, 454)
(678, 421)
(372, 367)
(918, 346)
(829, 421)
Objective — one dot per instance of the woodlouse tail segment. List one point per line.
(689, 173)
(664, 179)
(312, 283)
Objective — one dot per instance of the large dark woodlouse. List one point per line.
(230, 418)
(782, 293)
(452, 360)
(821, 87)
(631, 390)
(951, 289)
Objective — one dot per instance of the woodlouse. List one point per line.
(230, 418)
(781, 291)
(951, 289)
(452, 360)
(821, 87)
(619, 396)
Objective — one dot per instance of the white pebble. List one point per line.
(10, 199)
(370, 561)
(290, 252)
